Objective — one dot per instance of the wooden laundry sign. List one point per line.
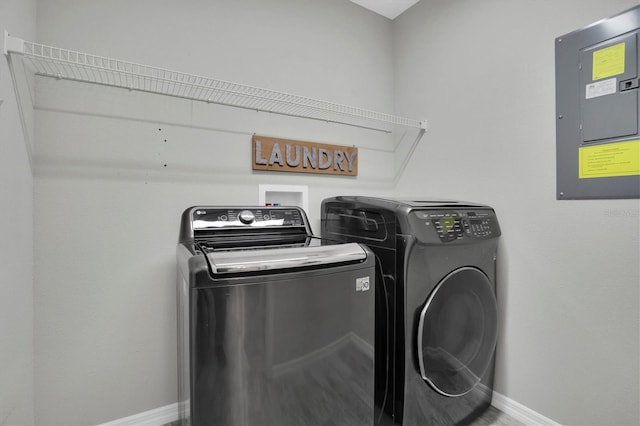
(285, 155)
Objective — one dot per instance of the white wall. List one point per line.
(482, 72)
(107, 209)
(16, 236)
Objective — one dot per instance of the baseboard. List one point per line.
(169, 413)
(520, 412)
(156, 417)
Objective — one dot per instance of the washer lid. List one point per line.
(457, 332)
(270, 259)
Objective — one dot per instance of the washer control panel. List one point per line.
(238, 226)
(456, 225)
(207, 218)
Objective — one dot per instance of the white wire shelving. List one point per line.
(65, 64)
(68, 64)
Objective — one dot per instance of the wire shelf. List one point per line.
(77, 66)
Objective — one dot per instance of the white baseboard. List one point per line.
(169, 413)
(519, 412)
(156, 417)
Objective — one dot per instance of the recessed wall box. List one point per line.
(284, 195)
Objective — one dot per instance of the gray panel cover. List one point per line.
(604, 113)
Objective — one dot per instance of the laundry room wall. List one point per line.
(16, 236)
(114, 169)
(482, 72)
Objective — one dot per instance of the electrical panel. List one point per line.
(598, 109)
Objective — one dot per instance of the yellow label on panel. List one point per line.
(608, 62)
(609, 160)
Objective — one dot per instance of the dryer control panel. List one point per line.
(454, 225)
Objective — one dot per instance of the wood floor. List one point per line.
(330, 372)
(493, 416)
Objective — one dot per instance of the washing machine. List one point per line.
(436, 320)
(275, 325)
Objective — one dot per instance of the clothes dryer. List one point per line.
(275, 326)
(436, 322)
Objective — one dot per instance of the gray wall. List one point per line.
(483, 73)
(16, 236)
(107, 209)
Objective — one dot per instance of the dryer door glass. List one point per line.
(457, 332)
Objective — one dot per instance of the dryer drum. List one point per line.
(457, 332)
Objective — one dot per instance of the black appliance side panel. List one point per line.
(352, 222)
(286, 349)
(385, 320)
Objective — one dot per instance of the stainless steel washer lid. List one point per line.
(243, 261)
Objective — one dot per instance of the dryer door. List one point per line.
(457, 332)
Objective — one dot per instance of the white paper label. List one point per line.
(362, 284)
(601, 88)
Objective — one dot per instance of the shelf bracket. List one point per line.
(12, 44)
(407, 156)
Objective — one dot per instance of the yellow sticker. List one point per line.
(609, 160)
(608, 62)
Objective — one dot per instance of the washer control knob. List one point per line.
(246, 217)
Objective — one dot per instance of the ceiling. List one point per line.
(388, 8)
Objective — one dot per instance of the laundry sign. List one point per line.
(286, 155)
